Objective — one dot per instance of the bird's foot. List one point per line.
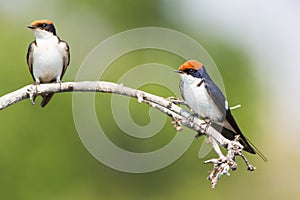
(33, 91)
(60, 82)
(205, 125)
(192, 117)
(203, 130)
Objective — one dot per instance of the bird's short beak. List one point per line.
(178, 71)
(31, 27)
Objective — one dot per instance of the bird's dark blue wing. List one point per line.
(229, 128)
(29, 57)
(216, 95)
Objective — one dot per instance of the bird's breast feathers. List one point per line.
(48, 59)
(196, 96)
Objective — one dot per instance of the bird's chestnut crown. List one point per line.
(44, 24)
(191, 67)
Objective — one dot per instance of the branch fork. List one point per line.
(223, 164)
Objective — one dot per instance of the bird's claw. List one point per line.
(32, 93)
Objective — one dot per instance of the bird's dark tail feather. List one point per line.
(248, 145)
(244, 141)
(261, 155)
(46, 99)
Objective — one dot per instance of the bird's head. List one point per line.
(42, 29)
(192, 68)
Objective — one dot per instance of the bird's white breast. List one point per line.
(47, 60)
(198, 98)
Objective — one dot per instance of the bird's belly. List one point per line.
(47, 65)
(201, 103)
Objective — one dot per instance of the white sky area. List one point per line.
(270, 32)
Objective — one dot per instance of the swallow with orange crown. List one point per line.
(205, 98)
(48, 56)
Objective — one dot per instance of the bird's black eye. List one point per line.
(191, 71)
(43, 25)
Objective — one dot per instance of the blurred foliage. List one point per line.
(126, 14)
(41, 154)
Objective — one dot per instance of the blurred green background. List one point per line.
(41, 155)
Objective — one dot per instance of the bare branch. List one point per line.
(222, 165)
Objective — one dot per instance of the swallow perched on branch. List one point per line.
(205, 98)
(48, 56)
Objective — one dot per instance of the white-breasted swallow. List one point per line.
(48, 56)
(205, 98)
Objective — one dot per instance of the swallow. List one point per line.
(206, 99)
(48, 56)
